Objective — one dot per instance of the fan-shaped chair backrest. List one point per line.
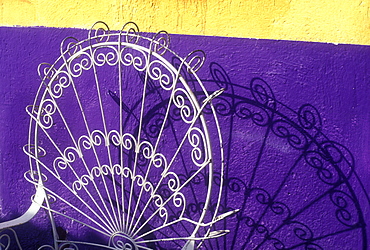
(119, 141)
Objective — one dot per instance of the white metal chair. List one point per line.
(120, 149)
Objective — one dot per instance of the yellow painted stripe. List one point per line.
(335, 21)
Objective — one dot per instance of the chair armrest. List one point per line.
(31, 211)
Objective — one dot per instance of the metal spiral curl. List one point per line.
(108, 164)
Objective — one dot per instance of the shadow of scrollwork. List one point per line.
(9, 239)
(294, 187)
(292, 184)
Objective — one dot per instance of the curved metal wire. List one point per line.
(108, 168)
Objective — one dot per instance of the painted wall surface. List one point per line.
(297, 157)
(304, 20)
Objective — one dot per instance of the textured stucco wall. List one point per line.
(305, 20)
(332, 78)
(296, 182)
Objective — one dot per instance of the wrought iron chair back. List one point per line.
(120, 149)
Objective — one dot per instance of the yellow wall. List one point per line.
(336, 21)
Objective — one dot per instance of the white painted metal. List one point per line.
(121, 201)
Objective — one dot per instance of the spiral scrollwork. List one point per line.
(120, 178)
(137, 58)
(34, 152)
(325, 170)
(58, 83)
(173, 181)
(99, 33)
(262, 93)
(48, 108)
(309, 117)
(79, 62)
(246, 110)
(197, 140)
(160, 161)
(163, 213)
(222, 106)
(155, 124)
(195, 60)
(301, 231)
(6, 237)
(338, 156)
(333, 162)
(115, 138)
(183, 102)
(43, 114)
(179, 201)
(69, 47)
(35, 177)
(161, 73)
(147, 149)
(262, 196)
(295, 137)
(220, 76)
(64, 161)
(46, 71)
(128, 141)
(346, 212)
(81, 182)
(280, 208)
(235, 185)
(131, 32)
(105, 55)
(158, 200)
(160, 42)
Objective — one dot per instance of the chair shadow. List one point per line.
(293, 185)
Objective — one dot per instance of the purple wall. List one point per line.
(297, 162)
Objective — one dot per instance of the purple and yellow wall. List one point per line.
(285, 191)
(315, 20)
